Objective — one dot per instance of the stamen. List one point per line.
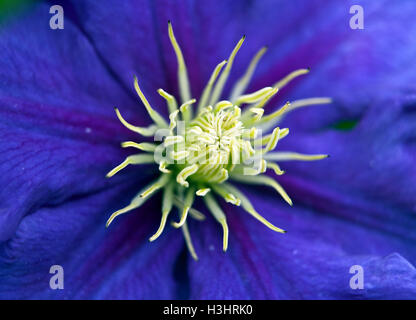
(224, 225)
(243, 82)
(162, 167)
(220, 177)
(171, 140)
(121, 211)
(275, 167)
(135, 203)
(235, 155)
(179, 155)
(187, 205)
(184, 89)
(258, 114)
(219, 216)
(285, 156)
(280, 84)
(275, 114)
(207, 90)
(223, 78)
(308, 102)
(197, 215)
(263, 166)
(172, 118)
(264, 180)
(185, 173)
(167, 203)
(247, 149)
(228, 196)
(170, 100)
(207, 138)
(274, 138)
(245, 170)
(136, 159)
(266, 99)
(146, 132)
(160, 183)
(294, 105)
(186, 110)
(144, 146)
(188, 241)
(265, 140)
(254, 97)
(203, 192)
(259, 105)
(195, 130)
(156, 117)
(246, 204)
(218, 144)
(222, 105)
(251, 134)
(283, 133)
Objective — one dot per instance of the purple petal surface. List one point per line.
(311, 261)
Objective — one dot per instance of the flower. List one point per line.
(217, 144)
(60, 137)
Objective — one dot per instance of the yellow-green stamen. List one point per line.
(203, 151)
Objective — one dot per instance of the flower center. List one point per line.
(210, 143)
(203, 147)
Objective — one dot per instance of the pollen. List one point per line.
(209, 145)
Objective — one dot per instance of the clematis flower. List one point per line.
(60, 137)
(220, 143)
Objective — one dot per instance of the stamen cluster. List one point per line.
(198, 155)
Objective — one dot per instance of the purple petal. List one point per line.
(352, 66)
(98, 263)
(311, 261)
(59, 132)
(126, 37)
(370, 175)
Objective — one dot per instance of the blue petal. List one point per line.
(59, 132)
(127, 38)
(60, 137)
(311, 261)
(352, 66)
(357, 207)
(98, 263)
(369, 176)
